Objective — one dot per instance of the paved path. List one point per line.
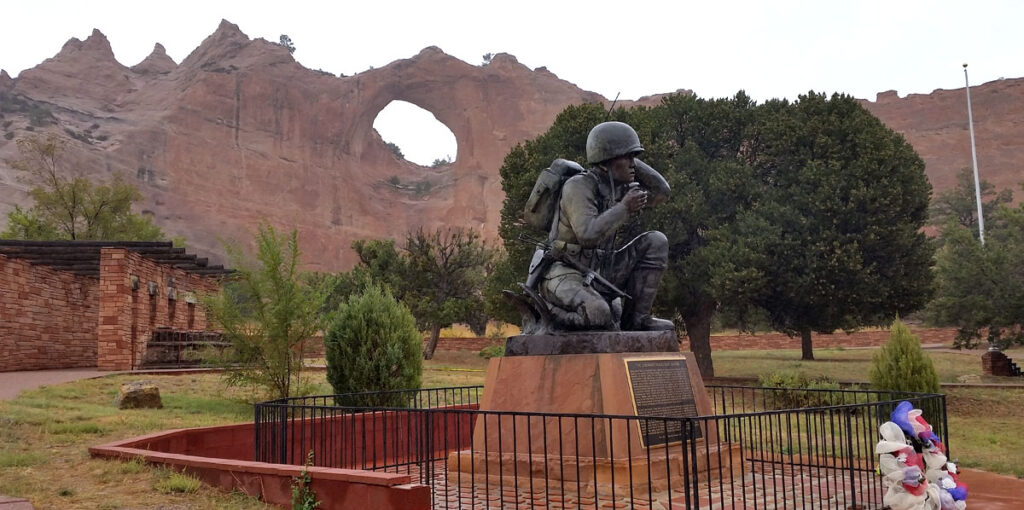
(13, 383)
(990, 491)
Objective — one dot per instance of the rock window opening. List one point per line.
(415, 134)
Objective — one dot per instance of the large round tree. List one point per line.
(807, 210)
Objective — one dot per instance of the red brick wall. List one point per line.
(760, 341)
(872, 338)
(127, 317)
(47, 317)
(464, 344)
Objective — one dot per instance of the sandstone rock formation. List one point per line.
(239, 132)
(936, 125)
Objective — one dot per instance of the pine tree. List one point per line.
(902, 365)
(373, 345)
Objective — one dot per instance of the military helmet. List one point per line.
(610, 140)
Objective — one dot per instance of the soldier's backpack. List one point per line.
(547, 191)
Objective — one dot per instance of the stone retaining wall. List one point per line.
(47, 317)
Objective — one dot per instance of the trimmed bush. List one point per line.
(902, 365)
(797, 391)
(373, 345)
(492, 351)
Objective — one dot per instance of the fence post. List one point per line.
(283, 440)
(256, 431)
(945, 425)
(694, 479)
(849, 457)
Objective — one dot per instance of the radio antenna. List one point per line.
(608, 115)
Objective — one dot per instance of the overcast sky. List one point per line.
(770, 48)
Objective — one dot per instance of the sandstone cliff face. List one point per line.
(936, 125)
(239, 132)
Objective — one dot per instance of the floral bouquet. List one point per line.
(912, 461)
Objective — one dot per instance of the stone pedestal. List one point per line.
(577, 447)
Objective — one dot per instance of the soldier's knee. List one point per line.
(657, 240)
(657, 247)
(598, 313)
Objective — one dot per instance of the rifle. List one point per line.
(547, 254)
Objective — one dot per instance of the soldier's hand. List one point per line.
(635, 200)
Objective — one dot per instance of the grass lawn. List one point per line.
(983, 422)
(839, 364)
(45, 433)
(985, 425)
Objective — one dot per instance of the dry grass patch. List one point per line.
(46, 434)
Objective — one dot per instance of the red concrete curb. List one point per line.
(9, 503)
(219, 455)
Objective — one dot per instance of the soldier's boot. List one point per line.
(643, 286)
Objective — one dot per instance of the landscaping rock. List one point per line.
(139, 395)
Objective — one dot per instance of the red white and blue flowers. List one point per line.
(912, 461)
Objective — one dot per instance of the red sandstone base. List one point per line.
(599, 453)
(650, 471)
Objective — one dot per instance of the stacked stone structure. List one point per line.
(81, 304)
(44, 317)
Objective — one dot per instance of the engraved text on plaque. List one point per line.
(661, 387)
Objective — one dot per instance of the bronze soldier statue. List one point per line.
(579, 276)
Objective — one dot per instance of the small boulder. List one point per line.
(139, 395)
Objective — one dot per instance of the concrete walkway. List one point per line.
(990, 491)
(13, 383)
(9, 503)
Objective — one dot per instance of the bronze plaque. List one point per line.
(661, 387)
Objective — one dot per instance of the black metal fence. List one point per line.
(762, 448)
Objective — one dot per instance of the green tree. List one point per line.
(287, 43)
(959, 204)
(380, 264)
(444, 278)
(754, 191)
(902, 365)
(73, 207)
(847, 198)
(396, 150)
(372, 344)
(267, 312)
(980, 288)
(699, 144)
(438, 275)
(439, 162)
